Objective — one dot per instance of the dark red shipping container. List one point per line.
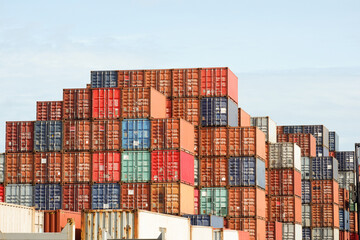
(213, 141)
(354, 236)
(55, 221)
(49, 111)
(77, 135)
(131, 78)
(106, 167)
(77, 103)
(106, 103)
(106, 135)
(76, 167)
(279, 130)
(47, 167)
(160, 79)
(284, 182)
(273, 230)
(76, 197)
(188, 109)
(213, 171)
(135, 196)
(2, 193)
(19, 168)
(324, 191)
(306, 142)
(19, 136)
(186, 82)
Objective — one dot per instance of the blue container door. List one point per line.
(104, 79)
(214, 112)
(40, 133)
(305, 191)
(242, 171)
(306, 234)
(106, 196)
(48, 197)
(135, 134)
(54, 135)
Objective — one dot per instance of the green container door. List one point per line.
(214, 201)
(135, 166)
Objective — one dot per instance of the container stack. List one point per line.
(2, 168)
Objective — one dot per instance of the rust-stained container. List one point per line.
(343, 198)
(219, 82)
(353, 222)
(77, 103)
(106, 135)
(305, 141)
(196, 201)
(213, 141)
(324, 191)
(172, 134)
(142, 102)
(55, 221)
(106, 167)
(20, 136)
(19, 168)
(246, 202)
(186, 82)
(255, 226)
(76, 197)
(285, 209)
(172, 198)
(77, 135)
(131, 78)
(76, 167)
(284, 182)
(244, 118)
(47, 167)
(168, 108)
(325, 215)
(213, 171)
(273, 230)
(247, 141)
(49, 110)
(106, 103)
(188, 109)
(2, 193)
(135, 196)
(196, 141)
(160, 79)
(172, 166)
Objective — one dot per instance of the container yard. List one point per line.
(170, 154)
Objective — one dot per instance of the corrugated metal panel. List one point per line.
(292, 231)
(135, 166)
(320, 132)
(106, 135)
(255, 226)
(76, 197)
(106, 167)
(48, 167)
(213, 141)
(333, 141)
(21, 194)
(104, 79)
(48, 196)
(324, 191)
(306, 233)
(135, 134)
(76, 167)
(160, 79)
(305, 192)
(218, 112)
(305, 141)
(325, 234)
(347, 180)
(77, 103)
(49, 111)
(206, 220)
(135, 196)
(213, 172)
(346, 160)
(186, 83)
(131, 78)
(305, 168)
(77, 135)
(106, 103)
(246, 202)
(284, 182)
(19, 168)
(187, 108)
(48, 136)
(105, 196)
(322, 151)
(285, 155)
(306, 215)
(267, 126)
(344, 220)
(324, 168)
(19, 136)
(214, 201)
(246, 171)
(196, 171)
(2, 167)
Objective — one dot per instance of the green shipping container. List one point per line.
(353, 205)
(214, 201)
(135, 166)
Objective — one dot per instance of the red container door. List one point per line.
(76, 167)
(106, 135)
(47, 167)
(19, 168)
(106, 103)
(77, 103)
(188, 109)
(106, 167)
(168, 108)
(131, 78)
(76, 197)
(135, 196)
(77, 135)
(161, 80)
(49, 111)
(196, 201)
(213, 172)
(213, 141)
(19, 136)
(186, 83)
(2, 193)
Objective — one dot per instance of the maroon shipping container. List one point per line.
(213, 171)
(213, 141)
(47, 167)
(49, 111)
(2, 193)
(106, 103)
(188, 109)
(77, 103)
(284, 182)
(76, 167)
(160, 79)
(76, 197)
(106, 135)
(131, 78)
(196, 201)
(286, 209)
(19, 136)
(77, 135)
(106, 167)
(186, 82)
(168, 108)
(55, 221)
(324, 191)
(306, 142)
(19, 168)
(354, 236)
(172, 166)
(135, 196)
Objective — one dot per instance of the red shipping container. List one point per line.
(135, 196)
(188, 109)
(324, 191)
(49, 111)
(353, 222)
(219, 82)
(172, 133)
(19, 168)
(325, 215)
(256, 227)
(244, 118)
(172, 166)
(106, 135)
(131, 78)
(76, 167)
(306, 142)
(244, 235)
(142, 102)
(186, 82)
(47, 167)
(106, 103)
(160, 79)
(213, 141)
(343, 198)
(286, 209)
(246, 202)
(284, 182)
(76, 197)
(332, 154)
(273, 230)
(77, 135)
(354, 236)
(106, 167)
(2, 193)
(344, 235)
(19, 136)
(213, 171)
(247, 141)
(168, 108)
(196, 201)
(55, 221)
(77, 103)
(196, 141)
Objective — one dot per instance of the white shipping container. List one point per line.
(2, 167)
(21, 194)
(292, 231)
(266, 125)
(305, 168)
(230, 235)
(347, 180)
(325, 234)
(285, 155)
(306, 215)
(39, 222)
(201, 232)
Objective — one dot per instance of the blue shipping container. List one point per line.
(246, 171)
(104, 79)
(48, 136)
(324, 168)
(344, 219)
(347, 220)
(333, 141)
(346, 160)
(305, 191)
(48, 196)
(105, 196)
(135, 134)
(218, 111)
(320, 132)
(322, 151)
(293, 129)
(206, 220)
(306, 233)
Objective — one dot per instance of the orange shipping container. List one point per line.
(244, 118)
(135, 196)
(266, 181)
(196, 141)
(213, 141)
(77, 135)
(168, 108)
(343, 198)
(131, 78)
(306, 142)
(47, 167)
(267, 213)
(142, 102)
(19, 136)
(186, 82)
(284, 182)
(55, 221)
(76, 197)
(325, 215)
(160, 79)
(19, 168)
(76, 167)
(172, 198)
(267, 155)
(273, 230)
(255, 226)
(279, 130)
(324, 191)
(77, 103)
(213, 172)
(188, 109)
(285, 209)
(106, 103)
(106, 135)
(49, 111)
(172, 133)
(353, 222)
(246, 202)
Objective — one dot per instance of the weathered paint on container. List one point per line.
(213, 141)
(305, 191)
(284, 155)
(106, 103)
(131, 78)
(135, 196)
(284, 182)
(135, 166)
(267, 126)
(76, 197)
(2, 167)
(306, 215)
(55, 221)
(49, 111)
(201, 232)
(246, 202)
(48, 136)
(324, 168)
(47, 167)
(214, 201)
(160, 79)
(172, 198)
(104, 79)
(324, 191)
(255, 226)
(105, 196)
(219, 112)
(346, 160)
(244, 119)
(196, 141)
(77, 104)
(19, 168)
(292, 231)
(325, 233)
(106, 167)
(106, 135)
(135, 134)
(305, 168)
(325, 215)
(285, 209)
(2, 193)
(19, 136)
(21, 194)
(213, 172)
(142, 102)
(273, 230)
(333, 141)
(185, 83)
(77, 135)
(322, 151)
(48, 196)
(187, 108)
(172, 134)
(76, 167)
(305, 141)
(206, 220)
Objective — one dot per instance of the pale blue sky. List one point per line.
(297, 61)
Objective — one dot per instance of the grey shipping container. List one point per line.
(325, 234)
(305, 168)
(267, 126)
(322, 151)
(21, 194)
(333, 141)
(104, 79)
(324, 168)
(48, 136)
(206, 220)
(305, 191)
(346, 160)
(347, 180)
(2, 167)
(218, 111)
(306, 215)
